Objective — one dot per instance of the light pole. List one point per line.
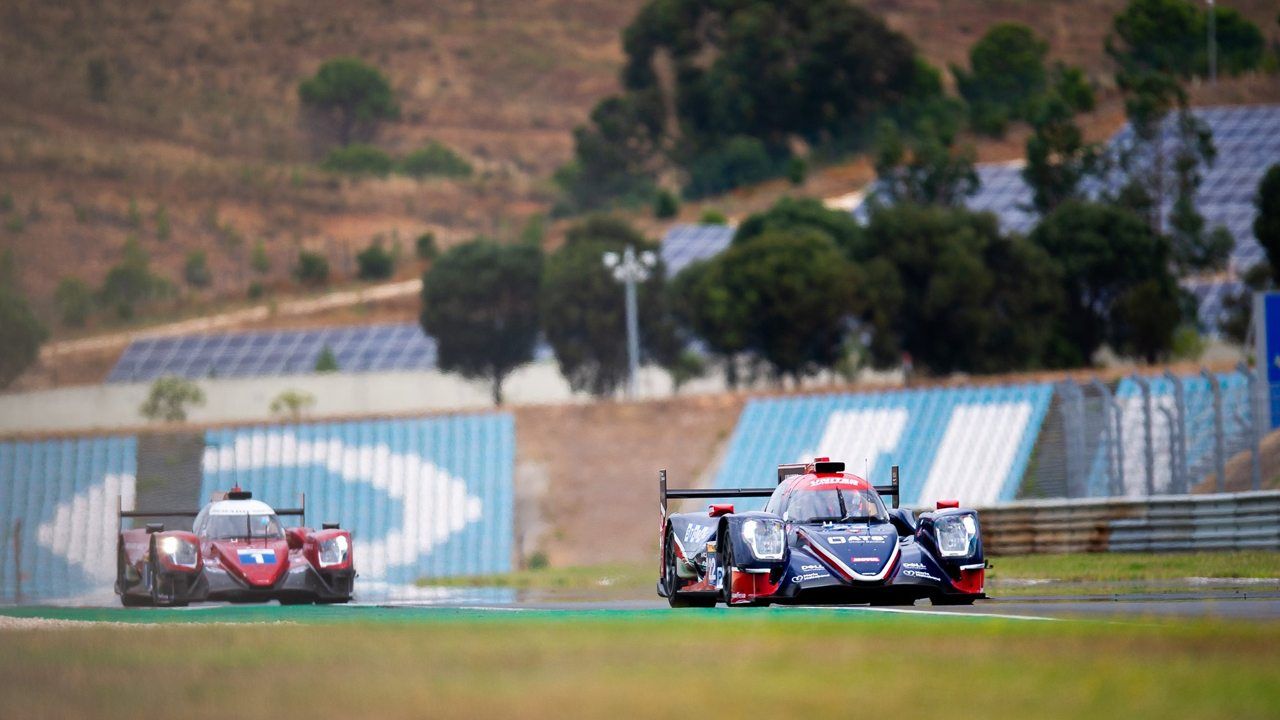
(630, 269)
(1213, 45)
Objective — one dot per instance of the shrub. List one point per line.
(665, 205)
(312, 268)
(74, 300)
(259, 260)
(256, 290)
(711, 216)
(434, 159)
(325, 361)
(162, 223)
(350, 95)
(21, 334)
(196, 269)
(797, 170)
(131, 282)
(170, 396)
(292, 404)
(425, 247)
(375, 262)
(358, 159)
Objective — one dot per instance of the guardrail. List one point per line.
(1168, 523)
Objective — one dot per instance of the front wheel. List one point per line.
(671, 580)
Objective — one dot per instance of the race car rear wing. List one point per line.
(784, 472)
(122, 514)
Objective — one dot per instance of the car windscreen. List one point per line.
(236, 527)
(836, 505)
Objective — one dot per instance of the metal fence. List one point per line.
(1220, 521)
(1148, 435)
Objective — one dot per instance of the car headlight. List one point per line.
(765, 538)
(957, 535)
(180, 552)
(334, 551)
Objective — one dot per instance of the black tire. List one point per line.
(671, 580)
(132, 601)
(158, 580)
(726, 586)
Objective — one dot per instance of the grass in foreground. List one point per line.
(647, 664)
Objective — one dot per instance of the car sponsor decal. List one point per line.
(921, 574)
(697, 534)
(810, 576)
(854, 539)
(913, 565)
(810, 568)
(256, 556)
(865, 559)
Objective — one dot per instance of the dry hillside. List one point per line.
(199, 127)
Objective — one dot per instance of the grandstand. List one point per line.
(1125, 473)
(426, 497)
(972, 444)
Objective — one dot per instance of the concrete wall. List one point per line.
(234, 400)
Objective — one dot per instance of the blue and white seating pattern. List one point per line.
(423, 497)
(63, 492)
(971, 444)
(1130, 476)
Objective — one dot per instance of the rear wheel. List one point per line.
(726, 585)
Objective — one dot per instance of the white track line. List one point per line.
(947, 613)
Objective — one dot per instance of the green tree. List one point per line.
(1146, 317)
(375, 262)
(794, 214)
(425, 247)
(480, 303)
(583, 308)
(1158, 170)
(1007, 74)
(1058, 158)
(1169, 36)
(169, 399)
(1105, 252)
(1266, 226)
(928, 168)
(944, 285)
(784, 296)
(74, 300)
(349, 95)
(702, 80)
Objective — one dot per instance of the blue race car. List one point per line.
(825, 536)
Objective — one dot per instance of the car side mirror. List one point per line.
(296, 537)
(155, 528)
(718, 510)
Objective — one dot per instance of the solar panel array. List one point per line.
(283, 352)
(685, 244)
(1211, 296)
(1247, 140)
